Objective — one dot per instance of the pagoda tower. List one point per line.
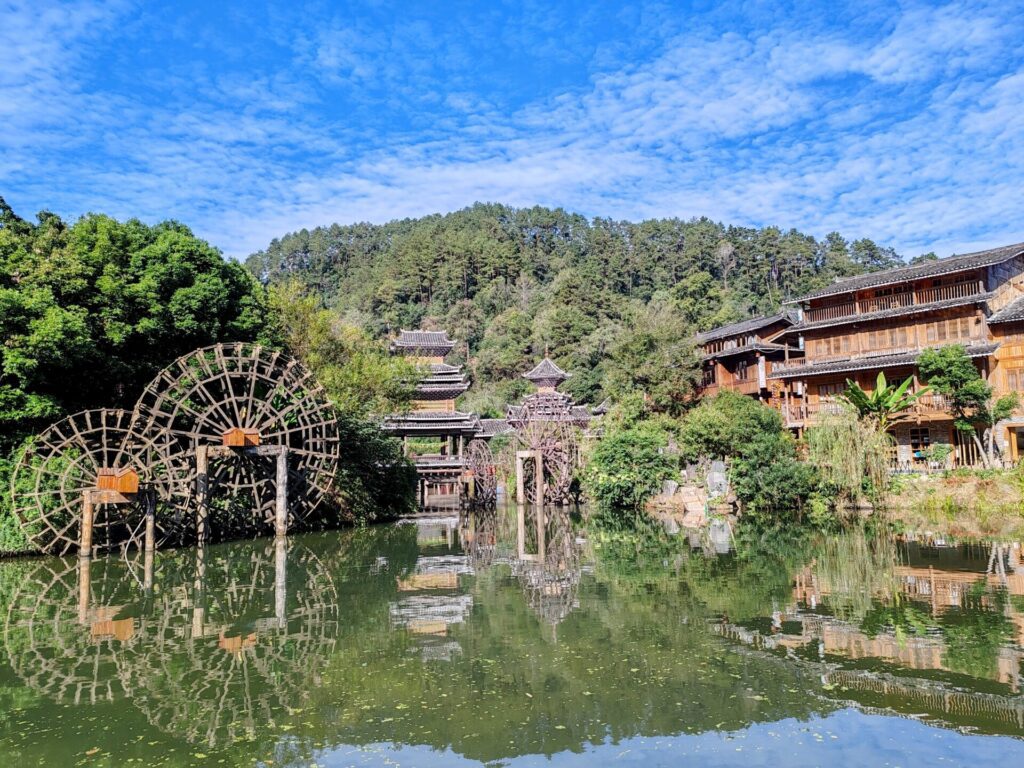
(433, 416)
(547, 402)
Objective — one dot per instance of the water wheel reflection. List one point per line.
(478, 533)
(550, 575)
(233, 649)
(65, 626)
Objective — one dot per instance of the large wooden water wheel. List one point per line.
(550, 431)
(244, 396)
(81, 453)
(480, 462)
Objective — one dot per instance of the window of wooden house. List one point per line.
(830, 390)
(709, 376)
(741, 370)
(1015, 379)
(920, 441)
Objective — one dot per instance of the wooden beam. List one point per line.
(202, 494)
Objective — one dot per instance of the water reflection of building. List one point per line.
(430, 600)
(930, 578)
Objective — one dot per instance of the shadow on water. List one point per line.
(494, 636)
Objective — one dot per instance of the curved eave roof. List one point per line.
(743, 326)
(1013, 313)
(762, 346)
(546, 370)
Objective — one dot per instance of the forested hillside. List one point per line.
(613, 301)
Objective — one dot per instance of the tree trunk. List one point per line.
(982, 453)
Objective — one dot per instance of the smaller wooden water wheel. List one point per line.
(99, 449)
(479, 536)
(480, 461)
(551, 432)
(244, 397)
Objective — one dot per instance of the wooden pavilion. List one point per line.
(434, 433)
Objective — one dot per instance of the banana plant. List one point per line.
(884, 405)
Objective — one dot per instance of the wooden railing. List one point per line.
(948, 292)
(805, 414)
(896, 301)
(832, 312)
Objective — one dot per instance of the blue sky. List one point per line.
(896, 121)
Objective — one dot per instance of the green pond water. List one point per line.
(496, 639)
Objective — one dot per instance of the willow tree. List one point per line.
(851, 453)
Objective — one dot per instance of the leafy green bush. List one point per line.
(721, 426)
(769, 479)
(628, 467)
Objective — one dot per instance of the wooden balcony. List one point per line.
(895, 301)
(927, 406)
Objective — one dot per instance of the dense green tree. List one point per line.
(90, 312)
(627, 467)
(654, 355)
(951, 372)
(721, 426)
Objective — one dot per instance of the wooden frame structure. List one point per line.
(218, 396)
(108, 478)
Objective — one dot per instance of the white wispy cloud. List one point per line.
(910, 135)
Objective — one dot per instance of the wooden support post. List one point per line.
(199, 594)
(147, 570)
(281, 518)
(541, 533)
(281, 581)
(521, 530)
(538, 478)
(85, 535)
(84, 566)
(150, 521)
(520, 479)
(202, 494)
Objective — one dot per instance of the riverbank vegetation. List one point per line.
(91, 311)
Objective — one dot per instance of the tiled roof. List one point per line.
(744, 326)
(1011, 313)
(546, 370)
(871, 362)
(918, 271)
(412, 340)
(432, 422)
(760, 346)
(493, 427)
(883, 314)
